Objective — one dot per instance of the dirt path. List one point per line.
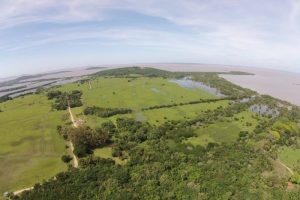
(75, 159)
(18, 192)
(286, 167)
(72, 117)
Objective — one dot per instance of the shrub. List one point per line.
(66, 158)
(81, 150)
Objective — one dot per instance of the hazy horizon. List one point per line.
(47, 35)
(208, 65)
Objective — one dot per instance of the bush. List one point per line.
(296, 178)
(54, 94)
(81, 150)
(66, 158)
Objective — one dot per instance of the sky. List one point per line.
(44, 35)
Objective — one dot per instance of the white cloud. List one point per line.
(234, 31)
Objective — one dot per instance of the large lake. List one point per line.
(279, 84)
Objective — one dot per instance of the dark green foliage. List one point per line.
(105, 112)
(82, 150)
(85, 135)
(162, 173)
(63, 100)
(85, 139)
(109, 128)
(143, 71)
(188, 103)
(66, 158)
(54, 94)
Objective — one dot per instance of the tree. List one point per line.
(66, 158)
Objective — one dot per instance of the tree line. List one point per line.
(187, 103)
(105, 112)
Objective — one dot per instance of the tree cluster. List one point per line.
(65, 99)
(84, 138)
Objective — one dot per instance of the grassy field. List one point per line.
(137, 94)
(224, 131)
(134, 93)
(30, 148)
(106, 152)
(158, 116)
(290, 156)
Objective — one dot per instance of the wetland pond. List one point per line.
(188, 83)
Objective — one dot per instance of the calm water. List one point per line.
(187, 83)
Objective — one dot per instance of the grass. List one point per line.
(134, 93)
(289, 156)
(224, 131)
(159, 116)
(137, 94)
(30, 148)
(106, 152)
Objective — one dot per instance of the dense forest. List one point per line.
(159, 164)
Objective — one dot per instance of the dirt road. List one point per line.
(75, 159)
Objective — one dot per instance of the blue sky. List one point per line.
(43, 35)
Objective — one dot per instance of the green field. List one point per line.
(134, 93)
(140, 93)
(290, 156)
(158, 116)
(30, 148)
(224, 131)
(106, 152)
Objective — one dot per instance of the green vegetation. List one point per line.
(30, 148)
(106, 152)
(65, 99)
(105, 112)
(290, 156)
(66, 158)
(226, 130)
(84, 138)
(144, 137)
